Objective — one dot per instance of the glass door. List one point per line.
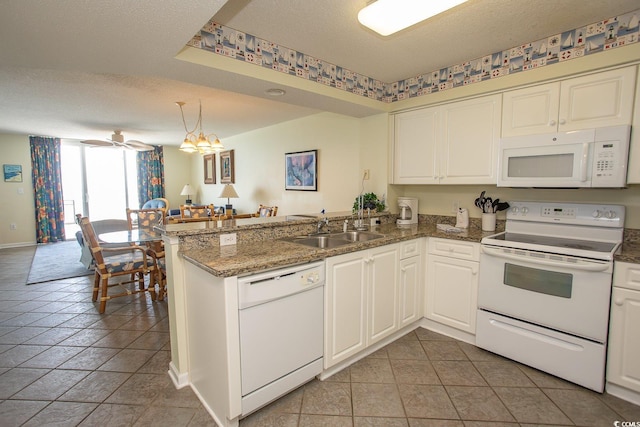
(98, 182)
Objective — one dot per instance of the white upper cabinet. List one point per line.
(469, 139)
(595, 100)
(455, 143)
(415, 139)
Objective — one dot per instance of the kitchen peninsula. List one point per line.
(203, 292)
(203, 282)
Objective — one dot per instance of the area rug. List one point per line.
(55, 261)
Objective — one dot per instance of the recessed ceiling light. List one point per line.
(275, 92)
(386, 17)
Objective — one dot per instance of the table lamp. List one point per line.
(229, 192)
(187, 191)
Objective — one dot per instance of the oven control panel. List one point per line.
(558, 212)
(568, 213)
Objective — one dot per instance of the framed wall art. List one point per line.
(226, 167)
(209, 168)
(301, 171)
(12, 173)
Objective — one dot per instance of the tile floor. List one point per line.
(63, 364)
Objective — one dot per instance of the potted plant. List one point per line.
(369, 201)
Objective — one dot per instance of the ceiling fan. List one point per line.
(117, 140)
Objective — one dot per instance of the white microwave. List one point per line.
(590, 158)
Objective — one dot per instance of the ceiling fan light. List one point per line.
(386, 17)
(117, 136)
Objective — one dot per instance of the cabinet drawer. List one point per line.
(410, 248)
(455, 249)
(626, 275)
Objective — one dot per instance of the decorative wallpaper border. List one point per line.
(594, 38)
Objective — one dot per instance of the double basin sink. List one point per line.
(334, 240)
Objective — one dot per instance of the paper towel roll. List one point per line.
(462, 218)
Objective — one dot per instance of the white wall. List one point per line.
(345, 147)
(17, 208)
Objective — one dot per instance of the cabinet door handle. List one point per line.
(552, 123)
(563, 121)
(619, 301)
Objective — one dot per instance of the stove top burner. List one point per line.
(557, 242)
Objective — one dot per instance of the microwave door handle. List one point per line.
(585, 267)
(583, 162)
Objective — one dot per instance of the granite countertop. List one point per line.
(246, 258)
(630, 253)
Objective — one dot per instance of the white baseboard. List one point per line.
(17, 245)
(179, 380)
(331, 370)
(448, 331)
(220, 421)
(623, 393)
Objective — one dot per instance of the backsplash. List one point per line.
(600, 36)
(631, 235)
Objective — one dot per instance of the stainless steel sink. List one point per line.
(334, 240)
(357, 236)
(317, 241)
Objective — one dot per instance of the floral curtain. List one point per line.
(47, 187)
(150, 174)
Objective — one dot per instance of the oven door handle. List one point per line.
(546, 262)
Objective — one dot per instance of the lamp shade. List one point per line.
(187, 190)
(229, 192)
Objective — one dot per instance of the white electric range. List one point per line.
(545, 287)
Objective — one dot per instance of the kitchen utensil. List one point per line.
(488, 205)
(494, 205)
(502, 206)
(479, 202)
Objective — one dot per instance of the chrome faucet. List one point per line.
(321, 224)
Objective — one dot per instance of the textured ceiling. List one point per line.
(77, 69)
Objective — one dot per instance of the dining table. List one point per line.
(138, 235)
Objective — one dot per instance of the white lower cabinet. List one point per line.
(410, 302)
(623, 359)
(452, 283)
(362, 292)
(345, 305)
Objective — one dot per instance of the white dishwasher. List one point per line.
(281, 316)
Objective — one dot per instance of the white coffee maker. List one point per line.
(408, 211)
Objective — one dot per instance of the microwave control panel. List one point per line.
(609, 165)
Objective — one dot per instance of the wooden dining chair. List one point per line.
(134, 263)
(145, 218)
(191, 211)
(265, 211)
(149, 219)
